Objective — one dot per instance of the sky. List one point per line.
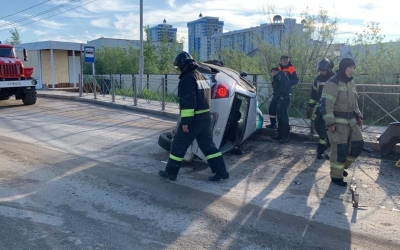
(85, 20)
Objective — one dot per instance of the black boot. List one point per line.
(284, 140)
(218, 167)
(218, 176)
(165, 175)
(273, 123)
(171, 170)
(320, 156)
(277, 138)
(345, 174)
(339, 181)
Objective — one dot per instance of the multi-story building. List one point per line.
(247, 40)
(200, 32)
(157, 32)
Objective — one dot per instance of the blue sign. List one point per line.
(89, 52)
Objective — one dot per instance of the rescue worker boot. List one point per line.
(320, 151)
(218, 167)
(284, 140)
(339, 181)
(273, 124)
(218, 176)
(171, 170)
(165, 175)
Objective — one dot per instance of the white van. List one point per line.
(233, 108)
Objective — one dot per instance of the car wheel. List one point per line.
(165, 140)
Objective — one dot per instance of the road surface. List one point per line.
(79, 176)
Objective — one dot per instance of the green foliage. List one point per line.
(15, 38)
(114, 60)
(159, 57)
(376, 63)
(239, 61)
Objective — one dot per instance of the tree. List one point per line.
(149, 53)
(306, 44)
(238, 61)
(15, 38)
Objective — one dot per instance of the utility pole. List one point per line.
(141, 61)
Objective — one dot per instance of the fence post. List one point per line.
(148, 82)
(162, 93)
(80, 85)
(94, 86)
(112, 89)
(103, 85)
(363, 100)
(134, 91)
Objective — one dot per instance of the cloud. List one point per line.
(101, 23)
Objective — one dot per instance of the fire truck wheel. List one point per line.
(29, 98)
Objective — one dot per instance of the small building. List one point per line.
(56, 63)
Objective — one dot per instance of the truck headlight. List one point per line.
(34, 82)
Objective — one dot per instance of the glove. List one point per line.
(309, 112)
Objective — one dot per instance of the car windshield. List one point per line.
(7, 52)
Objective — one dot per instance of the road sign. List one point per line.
(89, 52)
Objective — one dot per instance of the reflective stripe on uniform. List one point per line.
(349, 158)
(208, 157)
(201, 111)
(187, 112)
(327, 116)
(312, 101)
(325, 95)
(321, 83)
(203, 84)
(175, 158)
(315, 88)
(338, 166)
(323, 142)
(342, 121)
(342, 89)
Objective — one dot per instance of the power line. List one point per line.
(54, 14)
(40, 13)
(25, 9)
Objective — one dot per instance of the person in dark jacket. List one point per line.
(195, 121)
(324, 67)
(281, 95)
(286, 66)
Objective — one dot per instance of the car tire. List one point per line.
(165, 140)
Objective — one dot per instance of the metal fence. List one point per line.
(379, 103)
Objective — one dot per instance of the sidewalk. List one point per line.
(300, 127)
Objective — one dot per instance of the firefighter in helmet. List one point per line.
(195, 121)
(343, 118)
(324, 67)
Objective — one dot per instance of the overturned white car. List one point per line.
(233, 109)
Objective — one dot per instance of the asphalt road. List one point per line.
(79, 176)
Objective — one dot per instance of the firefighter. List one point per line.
(286, 66)
(281, 96)
(339, 108)
(325, 73)
(194, 103)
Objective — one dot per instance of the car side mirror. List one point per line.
(25, 55)
(243, 74)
